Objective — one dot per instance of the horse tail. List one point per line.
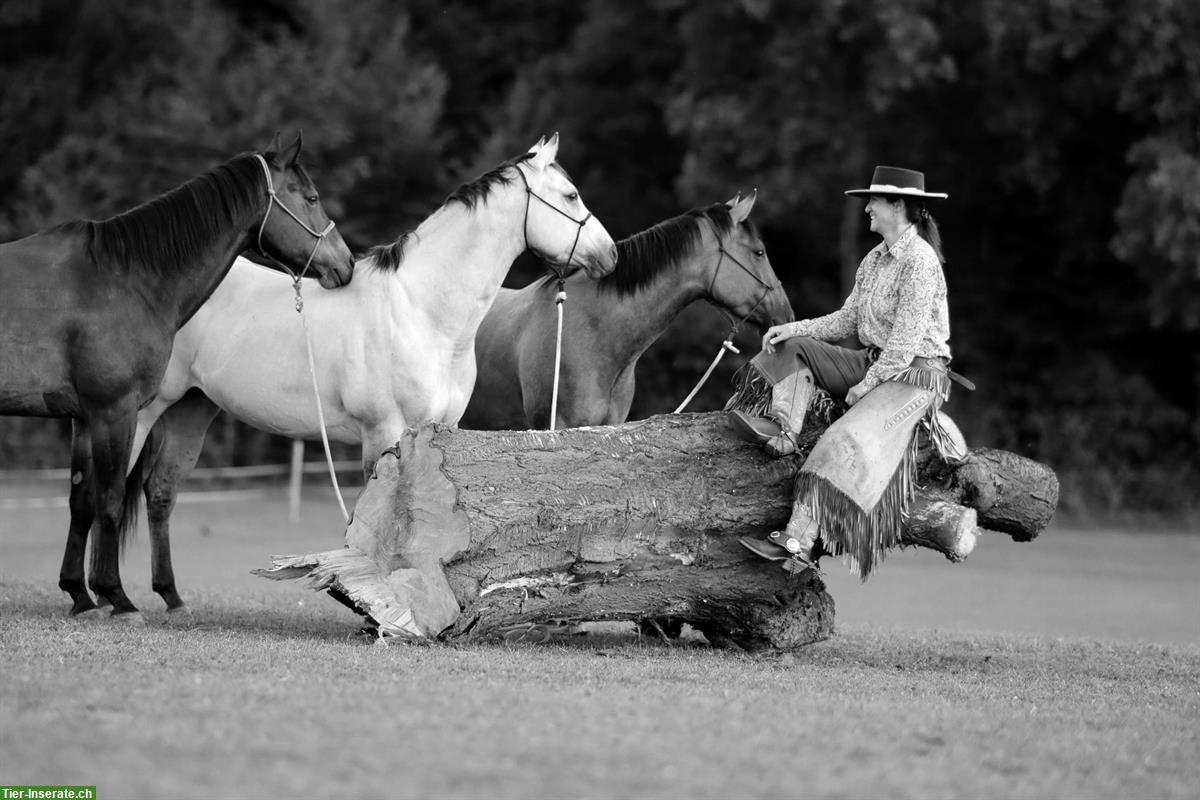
(134, 482)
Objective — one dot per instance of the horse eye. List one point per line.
(760, 253)
(312, 198)
(573, 196)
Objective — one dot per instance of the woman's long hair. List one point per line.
(927, 227)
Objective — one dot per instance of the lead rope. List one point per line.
(726, 346)
(559, 299)
(312, 371)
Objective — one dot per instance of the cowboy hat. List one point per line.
(895, 181)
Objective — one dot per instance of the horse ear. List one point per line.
(740, 209)
(546, 153)
(275, 146)
(731, 202)
(291, 154)
(538, 145)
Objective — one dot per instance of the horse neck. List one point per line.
(460, 258)
(633, 322)
(184, 288)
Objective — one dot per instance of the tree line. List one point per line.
(1065, 132)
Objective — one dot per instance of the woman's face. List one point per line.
(887, 214)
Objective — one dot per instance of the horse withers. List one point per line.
(391, 351)
(713, 253)
(90, 309)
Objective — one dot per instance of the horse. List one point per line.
(90, 308)
(712, 253)
(394, 350)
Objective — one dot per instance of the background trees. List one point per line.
(1065, 131)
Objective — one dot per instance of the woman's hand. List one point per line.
(779, 333)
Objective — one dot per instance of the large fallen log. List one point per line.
(468, 533)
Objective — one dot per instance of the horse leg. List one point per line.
(112, 440)
(376, 439)
(175, 442)
(83, 513)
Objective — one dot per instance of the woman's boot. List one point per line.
(779, 432)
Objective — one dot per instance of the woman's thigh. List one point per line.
(835, 369)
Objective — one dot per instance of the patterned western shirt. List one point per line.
(898, 304)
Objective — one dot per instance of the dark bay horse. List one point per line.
(90, 308)
(393, 350)
(712, 253)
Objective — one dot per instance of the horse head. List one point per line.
(744, 281)
(558, 226)
(300, 234)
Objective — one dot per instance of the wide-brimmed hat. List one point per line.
(898, 182)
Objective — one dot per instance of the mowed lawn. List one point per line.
(1065, 667)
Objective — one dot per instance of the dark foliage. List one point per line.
(1065, 131)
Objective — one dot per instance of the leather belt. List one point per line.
(940, 365)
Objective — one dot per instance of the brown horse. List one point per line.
(90, 308)
(712, 253)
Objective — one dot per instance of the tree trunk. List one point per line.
(625, 522)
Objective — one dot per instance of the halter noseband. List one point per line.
(274, 200)
(525, 226)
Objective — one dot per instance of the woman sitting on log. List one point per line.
(855, 486)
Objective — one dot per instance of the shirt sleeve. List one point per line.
(914, 308)
(839, 324)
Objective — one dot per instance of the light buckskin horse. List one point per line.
(90, 308)
(393, 350)
(712, 253)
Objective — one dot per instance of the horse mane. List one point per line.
(390, 256)
(470, 194)
(644, 256)
(174, 228)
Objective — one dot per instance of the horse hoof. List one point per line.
(82, 607)
(179, 609)
(174, 603)
(129, 618)
(90, 615)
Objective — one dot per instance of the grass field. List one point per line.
(1067, 667)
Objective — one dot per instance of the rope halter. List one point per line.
(735, 324)
(767, 288)
(273, 200)
(580, 223)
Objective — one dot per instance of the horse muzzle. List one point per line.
(599, 262)
(340, 276)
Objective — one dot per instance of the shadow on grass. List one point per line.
(262, 616)
(282, 619)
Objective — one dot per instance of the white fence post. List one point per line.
(295, 480)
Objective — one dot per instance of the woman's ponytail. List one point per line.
(927, 227)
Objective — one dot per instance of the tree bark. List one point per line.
(625, 522)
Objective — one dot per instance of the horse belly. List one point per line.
(285, 413)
